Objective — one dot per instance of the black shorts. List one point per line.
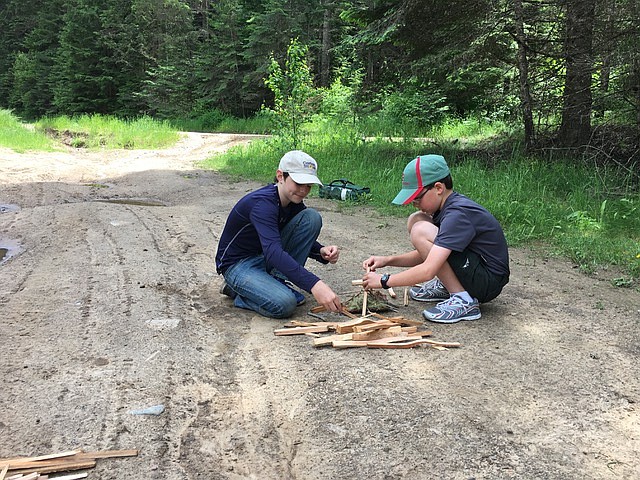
(471, 270)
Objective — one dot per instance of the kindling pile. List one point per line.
(37, 468)
(371, 331)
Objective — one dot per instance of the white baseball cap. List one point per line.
(300, 166)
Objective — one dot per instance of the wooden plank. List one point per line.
(347, 327)
(374, 326)
(73, 476)
(381, 333)
(301, 330)
(31, 476)
(4, 472)
(328, 340)
(419, 333)
(297, 323)
(50, 456)
(399, 319)
(61, 467)
(349, 343)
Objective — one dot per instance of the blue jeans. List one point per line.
(256, 288)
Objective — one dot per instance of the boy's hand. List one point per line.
(374, 262)
(330, 253)
(371, 280)
(326, 297)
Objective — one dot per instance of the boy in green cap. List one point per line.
(460, 252)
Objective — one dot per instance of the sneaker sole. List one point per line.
(438, 299)
(476, 316)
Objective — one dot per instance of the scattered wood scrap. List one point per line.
(372, 331)
(37, 468)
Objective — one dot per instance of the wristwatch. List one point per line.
(383, 281)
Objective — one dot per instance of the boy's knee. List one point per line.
(421, 231)
(415, 218)
(284, 309)
(312, 216)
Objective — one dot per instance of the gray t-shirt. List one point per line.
(465, 225)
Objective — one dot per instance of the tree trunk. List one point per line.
(575, 129)
(326, 45)
(523, 71)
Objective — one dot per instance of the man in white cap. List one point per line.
(267, 239)
(460, 252)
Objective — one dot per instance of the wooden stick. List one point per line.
(364, 299)
(4, 472)
(392, 293)
(406, 297)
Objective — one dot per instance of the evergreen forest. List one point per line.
(565, 72)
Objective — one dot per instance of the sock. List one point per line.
(465, 296)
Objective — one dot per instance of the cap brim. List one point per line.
(406, 196)
(305, 178)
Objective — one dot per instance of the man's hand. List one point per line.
(330, 253)
(374, 262)
(326, 297)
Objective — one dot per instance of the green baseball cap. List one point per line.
(420, 172)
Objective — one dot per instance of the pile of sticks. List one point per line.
(38, 468)
(371, 331)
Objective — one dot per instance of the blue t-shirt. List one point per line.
(463, 224)
(253, 228)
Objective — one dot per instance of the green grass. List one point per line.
(100, 131)
(16, 136)
(218, 122)
(593, 219)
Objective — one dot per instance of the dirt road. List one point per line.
(110, 307)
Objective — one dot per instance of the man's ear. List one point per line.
(279, 176)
